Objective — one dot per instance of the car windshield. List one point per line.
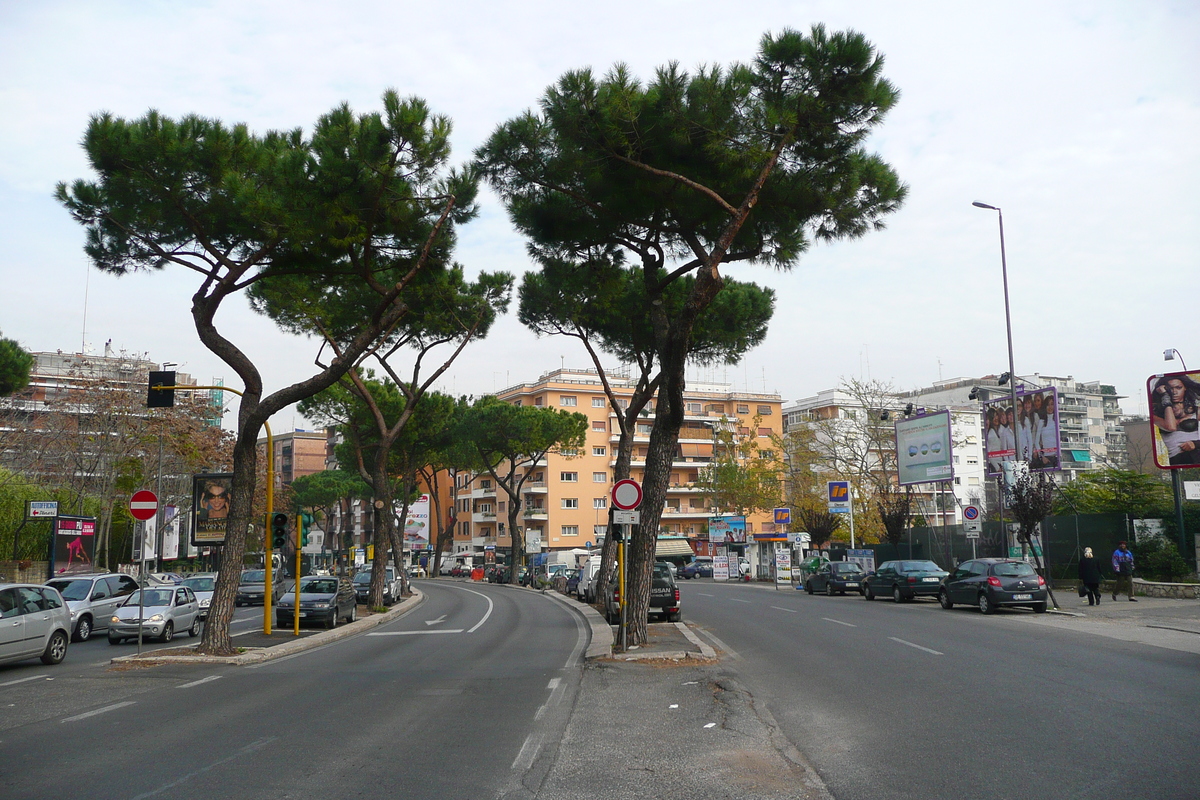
(1013, 569)
(254, 576)
(320, 586)
(662, 571)
(363, 578)
(918, 566)
(154, 597)
(847, 568)
(72, 590)
(200, 584)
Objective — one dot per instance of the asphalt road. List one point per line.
(466, 696)
(912, 701)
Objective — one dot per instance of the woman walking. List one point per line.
(1089, 576)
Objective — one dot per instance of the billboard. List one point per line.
(1174, 401)
(923, 449)
(416, 525)
(74, 545)
(211, 498)
(727, 530)
(1029, 435)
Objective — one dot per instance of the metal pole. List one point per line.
(142, 591)
(1188, 553)
(268, 582)
(161, 513)
(850, 497)
(621, 554)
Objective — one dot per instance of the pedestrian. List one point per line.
(1089, 576)
(1122, 562)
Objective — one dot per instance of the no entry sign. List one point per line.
(627, 494)
(143, 505)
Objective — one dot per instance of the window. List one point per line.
(599, 477)
(570, 530)
(599, 502)
(599, 451)
(517, 402)
(568, 477)
(600, 425)
(501, 507)
(598, 402)
(485, 484)
(599, 530)
(741, 409)
(567, 400)
(764, 432)
(539, 401)
(764, 410)
(643, 428)
(570, 502)
(693, 408)
(716, 408)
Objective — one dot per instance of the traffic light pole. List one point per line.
(296, 608)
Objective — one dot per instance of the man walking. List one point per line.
(1122, 563)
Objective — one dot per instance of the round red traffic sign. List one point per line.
(143, 505)
(971, 513)
(627, 494)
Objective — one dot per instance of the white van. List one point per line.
(587, 579)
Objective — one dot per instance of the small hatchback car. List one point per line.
(836, 577)
(324, 599)
(92, 599)
(34, 621)
(904, 580)
(165, 610)
(990, 583)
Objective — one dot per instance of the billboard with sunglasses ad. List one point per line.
(1174, 400)
(211, 503)
(1029, 435)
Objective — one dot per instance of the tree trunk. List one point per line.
(385, 532)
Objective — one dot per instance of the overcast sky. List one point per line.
(1081, 120)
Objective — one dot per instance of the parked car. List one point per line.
(588, 575)
(163, 579)
(836, 577)
(990, 583)
(391, 586)
(165, 610)
(92, 600)
(567, 581)
(904, 580)
(202, 584)
(743, 567)
(700, 568)
(664, 597)
(253, 587)
(322, 599)
(35, 622)
(416, 571)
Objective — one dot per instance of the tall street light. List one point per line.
(1012, 372)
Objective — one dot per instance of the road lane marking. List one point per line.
(489, 611)
(910, 644)
(94, 712)
(789, 610)
(673, 705)
(209, 679)
(554, 682)
(702, 594)
(733, 653)
(22, 680)
(529, 751)
(711, 725)
(739, 600)
(245, 751)
(413, 633)
(437, 621)
(847, 624)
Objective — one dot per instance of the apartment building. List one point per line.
(297, 453)
(565, 498)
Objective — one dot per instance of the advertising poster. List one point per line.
(721, 568)
(74, 545)
(923, 449)
(416, 525)
(1174, 401)
(783, 565)
(211, 496)
(1029, 435)
(727, 530)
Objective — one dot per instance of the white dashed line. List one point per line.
(789, 610)
(93, 713)
(554, 682)
(910, 644)
(23, 680)
(209, 679)
(711, 725)
(839, 622)
(740, 600)
(413, 633)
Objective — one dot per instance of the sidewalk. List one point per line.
(1161, 622)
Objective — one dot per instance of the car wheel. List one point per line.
(194, 631)
(829, 590)
(897, 597)
(83, 631)
(353, 615)
(333, 619)
(944, 600)
(168, 633)
(115, 640)
(56, 648)
(867, 593)
(985, 604)
(808, 587)
(676, 617)
(1039, 608)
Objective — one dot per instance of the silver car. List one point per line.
(202, 584)
(92, 600)
(34, 621)
(166, 609)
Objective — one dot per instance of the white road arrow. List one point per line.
(440, 619)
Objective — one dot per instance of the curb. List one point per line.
(264, 654)
(602, 641)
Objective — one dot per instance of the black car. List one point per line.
(990, 583)
(323, 598)
(664, 597)
(836, 577)
(391, 586)
(904, 580)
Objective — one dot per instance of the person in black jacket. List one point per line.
(1089, 576)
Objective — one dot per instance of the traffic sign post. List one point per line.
(626, 496)
(972, 525)
(143, 505)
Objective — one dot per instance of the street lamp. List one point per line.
(1012, 371)
(1170, 354)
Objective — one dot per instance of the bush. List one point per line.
(1158, 559)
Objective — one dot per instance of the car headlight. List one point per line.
(320, 605)
(156, 618)
(204, 603)
(115, 619)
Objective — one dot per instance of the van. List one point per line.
(587, 579)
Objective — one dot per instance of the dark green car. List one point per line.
(904, 580)
(836, 577)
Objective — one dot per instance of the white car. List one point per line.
(416, 571)
(165, 609)
(202, 585)
(34, 621)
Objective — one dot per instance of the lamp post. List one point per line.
(1170, 354)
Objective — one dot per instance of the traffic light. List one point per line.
(303, 520)
(161, 398)
(279, 526)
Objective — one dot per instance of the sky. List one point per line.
(1080, 120)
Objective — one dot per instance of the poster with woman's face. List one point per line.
(1174, 401)
(211, 503)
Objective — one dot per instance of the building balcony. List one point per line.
(535, 514)
(534, 486)
(481, 493)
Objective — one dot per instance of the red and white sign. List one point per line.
(627, 494)
(143, 505)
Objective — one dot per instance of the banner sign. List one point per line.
(923, 450)
(727, 530)
(211, 499)
(416, 525)
(1029, 435)
(1174, 401)
(74, 545)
